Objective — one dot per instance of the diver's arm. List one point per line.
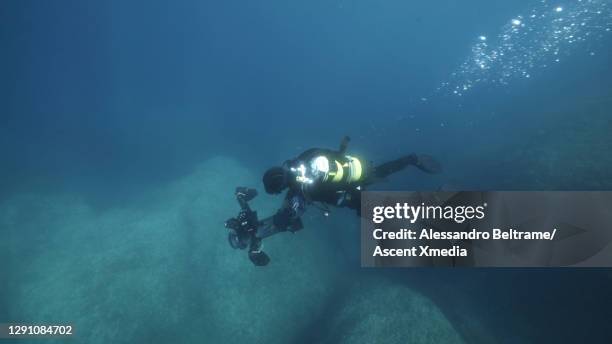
(286, 218)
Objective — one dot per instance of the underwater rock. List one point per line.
(377, 311)
(161, 270)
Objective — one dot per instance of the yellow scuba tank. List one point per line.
(348, 170)
(328, 169)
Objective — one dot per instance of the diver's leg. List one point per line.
(388, 168)
(423, 162)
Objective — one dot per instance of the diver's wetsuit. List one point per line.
(342, 192)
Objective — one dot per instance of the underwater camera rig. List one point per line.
(243, 228)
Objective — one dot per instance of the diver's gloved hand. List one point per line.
(427, 164)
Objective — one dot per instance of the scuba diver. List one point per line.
(324, 176)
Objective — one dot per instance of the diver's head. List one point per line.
(275, 180)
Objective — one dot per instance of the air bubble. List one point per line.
(521, 47)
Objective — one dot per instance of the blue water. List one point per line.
(112, 100)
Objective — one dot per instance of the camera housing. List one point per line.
(243, 227)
